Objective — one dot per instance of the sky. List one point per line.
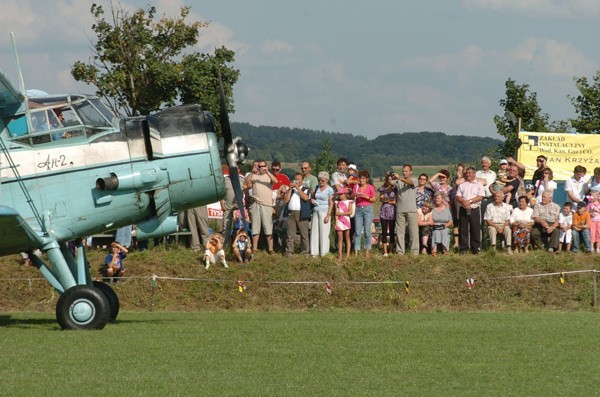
(364, 68)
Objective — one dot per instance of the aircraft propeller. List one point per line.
(235, 153)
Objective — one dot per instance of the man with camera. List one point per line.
(406, 210)
(261, 209)
(299, 213)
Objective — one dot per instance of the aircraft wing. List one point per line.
(10, 98)
(15, 234)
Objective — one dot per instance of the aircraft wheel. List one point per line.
(111, 296)
(82, 307)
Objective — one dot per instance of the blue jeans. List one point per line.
(363, 218)
(587, 240)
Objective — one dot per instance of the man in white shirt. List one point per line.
(486, 176)
(469, 195)
(497, 219)
(338, 178)
(576, 186)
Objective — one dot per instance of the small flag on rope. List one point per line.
(241, 286)
(562, 278)
(154, 276)
(406, 287)
(328, 287)
(470, 283)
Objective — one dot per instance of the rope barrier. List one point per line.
(300, 282)
(242, 284)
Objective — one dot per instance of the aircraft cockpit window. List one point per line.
(90, 115)
(105, 111)
(44, 120)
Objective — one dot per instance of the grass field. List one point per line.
(304, 353)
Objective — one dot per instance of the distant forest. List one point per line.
(292, 145)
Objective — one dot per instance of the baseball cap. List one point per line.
(342, 190)
(352, 167)
(503, 161)
(581, 204)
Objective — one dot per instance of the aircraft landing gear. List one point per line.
(111, 296)
(83, 307)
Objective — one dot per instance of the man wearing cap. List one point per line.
(544, 234)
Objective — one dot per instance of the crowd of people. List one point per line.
(461, 211)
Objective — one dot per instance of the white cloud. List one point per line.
(550, 57)
(275, 46)
(217, 35)
(563, 9)
(539, 55)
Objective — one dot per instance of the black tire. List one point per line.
(82, 307)
(111, 296)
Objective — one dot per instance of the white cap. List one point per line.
(352, 167)
(503, 161)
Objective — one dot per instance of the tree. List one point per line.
(520, 103)
(326, 160)
(139, 64)
(587, 105)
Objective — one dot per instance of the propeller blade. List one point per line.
(235, 152)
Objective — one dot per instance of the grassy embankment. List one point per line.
(435, 283)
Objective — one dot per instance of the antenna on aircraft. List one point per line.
(18, 63)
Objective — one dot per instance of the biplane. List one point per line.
(70, 168)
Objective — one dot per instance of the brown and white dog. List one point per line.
(214, 253)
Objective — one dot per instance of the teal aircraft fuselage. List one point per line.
(69, 168)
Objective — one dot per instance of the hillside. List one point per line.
(298, 283)
(424, 148)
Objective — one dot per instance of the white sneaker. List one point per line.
(509, 251)
(385, 254)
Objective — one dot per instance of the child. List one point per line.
(241, 247)
(214, 251)
(565, 223)
(343, 210)
(352, 176)
(113, 264)
(424, 222)
(594, 211)
(502, 177)
(530, 193)
(581, 228)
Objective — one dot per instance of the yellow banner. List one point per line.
(564, 152)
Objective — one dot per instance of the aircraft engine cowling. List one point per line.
(152, 228)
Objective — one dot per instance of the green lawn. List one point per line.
(304, 353)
